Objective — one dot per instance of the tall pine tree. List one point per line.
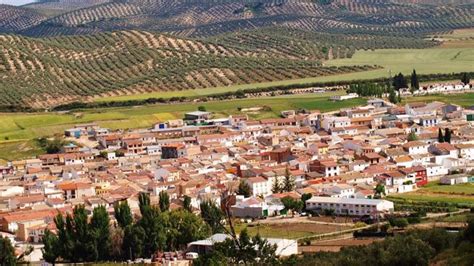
(447, 135)
(415, 84)
(440, 136)
(465, 78)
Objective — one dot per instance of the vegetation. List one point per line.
(420, 247)
(7, 252)
(67, 69)
(80, 240)
(244, 189)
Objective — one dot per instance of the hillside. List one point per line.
(200, 18)
(46, 72)
(16, 19)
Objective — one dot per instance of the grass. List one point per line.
(434, 198)
(289, 230)
(16, 150)
(455, 189)
(425, 61)
(462, 193)
(463, 99)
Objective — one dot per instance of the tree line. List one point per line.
(241, 93)
(80, 239)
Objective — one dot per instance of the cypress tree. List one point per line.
(392, 97)
(465, 78)
(447, 135)
(440, 136)
(415, 84)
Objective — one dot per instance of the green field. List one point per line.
(425, 61)
(467, 189)
(463, 99)
(434, 192)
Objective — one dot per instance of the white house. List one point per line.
(350, 206)
(259, 186)
(416, 147)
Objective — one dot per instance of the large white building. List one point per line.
(350, 206)
(284, 247)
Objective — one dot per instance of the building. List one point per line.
(350, 206)
(284, 247)
(197, 117)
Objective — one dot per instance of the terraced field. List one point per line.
(199, 18)
(60, 70)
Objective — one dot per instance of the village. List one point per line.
(346, 162)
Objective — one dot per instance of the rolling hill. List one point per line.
(58, 51)
(201, 18)
(46, 72)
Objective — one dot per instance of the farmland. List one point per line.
(463, 99)
(434, 192)
(291, 230)
(425, 61)
(64, 69)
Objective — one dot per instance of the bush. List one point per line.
(398, 222)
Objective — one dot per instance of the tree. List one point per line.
(202, 108)
(276, 187)
(398, 222)
(187, 203)
(289, 182)
(185, 227)
(379, 191)
(292, 204)
(154, 224)
(51, 248)
(244, 189)
(133, 239)
(412, 136)
(85, 248)
(415, 84)
(440, 136)
(399, 82)
(242, 250)
(447, 135)
(212, 215)
(164, 201)
(305, 197)
(100, 227)
(392, 97)
(7, 252)
(143, 202)
(465, 79)
(399, 97)
(468, 233)
(116, 240)
(123, 214)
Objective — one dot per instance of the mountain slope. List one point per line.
(47, 72)
(199, 18)
(15, 19)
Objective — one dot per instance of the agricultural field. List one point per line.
(291, 230)
(434, 192)
(425, 61)
(462, 99)
(461, 38)
(42, 73)
(200, 18)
